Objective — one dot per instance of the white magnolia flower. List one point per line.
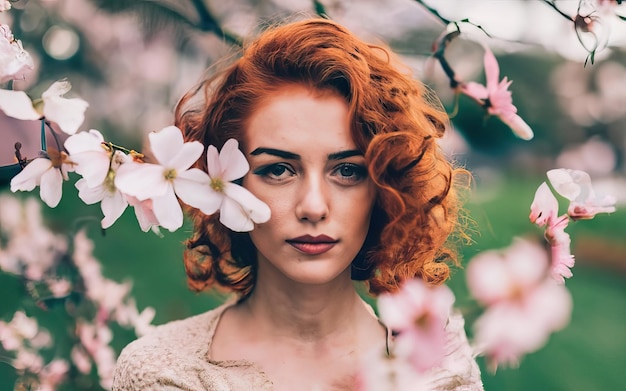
(98, 169)
(48, 174)
(239, 209)
(69, 114)
(14, 60)
(170, 178)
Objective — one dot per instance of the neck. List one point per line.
(306, 311)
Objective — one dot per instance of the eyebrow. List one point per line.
(290, 155)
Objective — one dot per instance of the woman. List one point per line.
(341, 147)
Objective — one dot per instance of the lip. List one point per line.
(313, 245)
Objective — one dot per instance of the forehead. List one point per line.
(296, 117)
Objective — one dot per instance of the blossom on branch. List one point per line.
(575, 185)
(172, 177)
(239, 209)
(98, 165)
(496, 97)
(14, 60)
(419, 314)
(46, 172)
(523, 306)
(69, 114)
(544, 211)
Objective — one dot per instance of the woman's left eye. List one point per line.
(350, 172)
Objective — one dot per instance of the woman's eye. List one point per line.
(350, 172)
(276, 171)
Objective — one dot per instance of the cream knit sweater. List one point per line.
(176, 357)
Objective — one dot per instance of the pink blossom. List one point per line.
(419, 313)
(81, 359)
(14, 60)
(95, 339)
(128, 315)
(496, 97)
(52, 375)
(98, 166)
(523, 306)
(545, 207)
(5, 5)
(170, 178)
(144, 214)
(27, 360)
(239, 209)
(575, 185)
(69, 114)
(20, 328)
(562, 258)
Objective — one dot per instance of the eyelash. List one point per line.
(358, 172)
(270, 173)
(275, 172)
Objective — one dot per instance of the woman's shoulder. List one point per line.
(167, 351)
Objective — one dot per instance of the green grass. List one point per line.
(588, 355)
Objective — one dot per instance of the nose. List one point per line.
(312, 205)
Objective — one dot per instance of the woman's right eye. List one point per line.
(277, 171)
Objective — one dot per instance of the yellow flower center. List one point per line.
(217, 185)
(170, 175)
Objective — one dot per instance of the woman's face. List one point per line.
(305, 166)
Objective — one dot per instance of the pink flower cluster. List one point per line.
(496, 97)
(523, 306)
(575, 186)
(116, 177)
(32, 252)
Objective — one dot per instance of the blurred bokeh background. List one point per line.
(132, 59)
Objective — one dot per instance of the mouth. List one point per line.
(313, 245)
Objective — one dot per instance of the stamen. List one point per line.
(170, 174)
(217, 185)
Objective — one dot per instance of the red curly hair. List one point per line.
(394, 122)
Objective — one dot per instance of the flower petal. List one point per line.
(18, 105)
(51, 187)
(168, 211)
(143, 212)
(69, 114)
(492, 70)
(233, 217)
(193, 188)
(564, 183)
(233, 161)
(251, 206)
(89, 195)
(84, 141)
(30, 176)
(545, 207)
(519, 127)
(166, 143)
(113, 205)
(187, 155)
(92, 165)
(141, 180)
(214, 166)
(475, 91)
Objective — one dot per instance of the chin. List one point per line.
(316, 273)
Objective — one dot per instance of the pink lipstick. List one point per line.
(313, 245)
